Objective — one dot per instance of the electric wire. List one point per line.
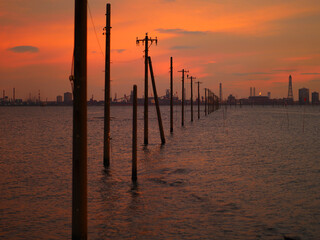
(94, 28)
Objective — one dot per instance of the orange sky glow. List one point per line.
(242, 44)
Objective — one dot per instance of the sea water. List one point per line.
(238, 173)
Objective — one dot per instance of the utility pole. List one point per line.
(146, 41)
(198, 99)
(134, 134)
(213, 102)
(171, 96)
(205, 101)
(191, 78)
(155, 95)
(106, 135)
(79, 150)
(14, 95)
(220, 87)
(182, 100)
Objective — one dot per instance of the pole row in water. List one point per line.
(212, 102)
(79, 151)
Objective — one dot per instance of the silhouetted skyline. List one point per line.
(256, 43)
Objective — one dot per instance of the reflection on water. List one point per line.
(239, 173)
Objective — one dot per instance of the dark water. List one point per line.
(249, 173)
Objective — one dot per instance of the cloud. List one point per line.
(118, 50)
(314, 81)
(23, 49)
(181, 47)
(179, 31)
(250, 73)
(284, 70)
(292, 59)
(310, 73)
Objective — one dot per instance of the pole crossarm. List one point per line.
(191, 77)
(146, 41)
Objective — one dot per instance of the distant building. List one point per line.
(68, 97)
(315, 98)
(259, 100)
(303, 96)
(290, 94)
(269, 95)
(59, 99)
(231, 99)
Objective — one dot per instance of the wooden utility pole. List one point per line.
(134, 134)
(205, 101)
(146, 41)
(198, 99)
(106, 145)
(213, 100)
(208, 100)
(191, 78)
(171, 96)
(79, 148)
(163, 141)
(182, 100)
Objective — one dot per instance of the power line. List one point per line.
(94, 28)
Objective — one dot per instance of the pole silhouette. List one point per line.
(198, 99)
(182, 100)
(134, 134)
(205, 101)
(106, 146)
(146, 41)
(163, 140)
(79, 148)
(171, 96)
(191, 79)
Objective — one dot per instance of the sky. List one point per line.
(241, 44)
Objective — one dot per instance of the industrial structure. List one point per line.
(290, 94)
(303, 96)
(315, 98)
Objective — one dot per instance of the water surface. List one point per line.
(239, 173)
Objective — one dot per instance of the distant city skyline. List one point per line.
(239, 44)
(36, 96)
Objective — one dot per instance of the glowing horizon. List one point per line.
(242, 45)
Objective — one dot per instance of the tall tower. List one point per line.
(290, 94)
(254, 91)
(250, 91)
(220, 93)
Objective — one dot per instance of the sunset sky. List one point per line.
(240, 43)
